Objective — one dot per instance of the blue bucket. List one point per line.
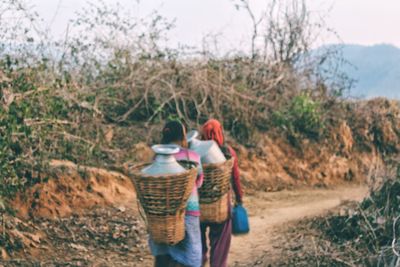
(240, 220)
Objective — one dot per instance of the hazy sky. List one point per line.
(356, 21)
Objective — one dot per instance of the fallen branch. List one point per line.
(32, 122)
(397, 253)
(369, 226)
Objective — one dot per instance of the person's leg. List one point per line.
(174, 263)
(220, 240)
(189, 251)
(162, 261)
(203, 228)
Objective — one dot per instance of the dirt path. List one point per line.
(116, 236)
(269, 211)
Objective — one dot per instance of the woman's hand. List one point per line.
(238, 201)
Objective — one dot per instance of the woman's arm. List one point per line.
(237, 187)
(200, 176)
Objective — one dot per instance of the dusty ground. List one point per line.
(116, 236)
(272, 214)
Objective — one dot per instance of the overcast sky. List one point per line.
(356, 21)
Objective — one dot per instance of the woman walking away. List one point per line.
(220, 233)
(188, 252)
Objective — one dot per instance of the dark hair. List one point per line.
(173, 131)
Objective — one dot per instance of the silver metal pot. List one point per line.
(164, 162)
(209, 151)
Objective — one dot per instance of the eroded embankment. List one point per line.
(366, 137)
(369, 134)
(70, 188)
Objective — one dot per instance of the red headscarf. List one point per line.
(212, 130)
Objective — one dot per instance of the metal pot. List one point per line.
(209, 151)
(164, 162)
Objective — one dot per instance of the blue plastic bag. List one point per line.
(240, 220)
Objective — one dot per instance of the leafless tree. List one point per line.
(256, 22)
(285, 27)
(288, 30)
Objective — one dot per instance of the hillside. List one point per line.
(99, 207)
(376, 69)
(71, 125)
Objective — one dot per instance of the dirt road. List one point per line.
(270, 211)
(117, 237)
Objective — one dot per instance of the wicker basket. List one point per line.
(216, 212)
(164, 199)
(214, 192)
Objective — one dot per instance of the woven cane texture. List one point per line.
(216, 212)
(169, 229)
(217, 179)
(164, 200)
(214, 192)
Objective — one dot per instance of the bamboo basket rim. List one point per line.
(138, 178)
(135, 170)
(216, 165)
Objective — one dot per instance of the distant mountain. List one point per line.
(376, 69)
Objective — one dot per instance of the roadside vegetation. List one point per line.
(355, 234)
(112, 81)
(368, 235)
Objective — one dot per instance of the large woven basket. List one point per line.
(164, 200)
(215, 212)
(214, 192)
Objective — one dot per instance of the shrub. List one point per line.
(89, 97)
(302, 115)
(371, 230)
